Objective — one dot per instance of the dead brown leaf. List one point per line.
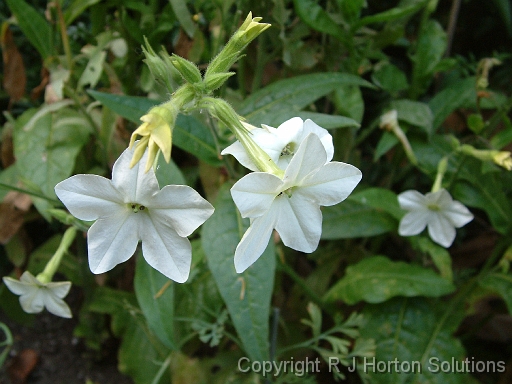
(15, 79)
(12, 212)
(22, 365)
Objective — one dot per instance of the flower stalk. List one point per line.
(52, 266)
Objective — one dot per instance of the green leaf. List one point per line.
(183, 15)
(389, 15)
(381, 199)
(377, 279)
(414, 113)
(34, 26)
(46, 143)
(440, 256)
(275, 103)
(429, 51)
(76, 8)
(314, 15)
(413, 331)
(168, 173)
(462, 93)
(189, 133)
(500, 283)
(247, 295)
(355, 218)
(389, 78)
(155, 294)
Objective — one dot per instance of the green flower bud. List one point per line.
(215, 80)
(159, 68)
(187, 69)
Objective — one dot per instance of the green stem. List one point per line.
(441, 170)
(51, 267)
(64, 36)
(30, 193)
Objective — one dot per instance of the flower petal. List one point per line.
(255, 240)
(134, 184)
(441, 230)
(414, 222)
(309, 157)
(254, 193)
(56, 305)
(411, 200)
(59, 288)
(112, 240)
(33, 300)
(331, 184)
(458, 214)
(15, 286)
(238, 151)
(179, 207)
(322, 133)
(299, 222)
(89, 197)
(166, 251)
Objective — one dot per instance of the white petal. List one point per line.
(54, 304)
(255, 240)
(15, 286)
(441, 230)
(291, 131)
(440, 198)
(309, 157)
(331, 184)
(414, 222)
(322, 133)
(112, 240)
(299, 222)
(89, 197)
(254, 193)
(33, 300)
(59, 288)
(135, 185)
(411, 200)
(180, 207)
(165, 250)
(238, 151)
(458, 214)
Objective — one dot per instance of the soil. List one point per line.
(49, 353)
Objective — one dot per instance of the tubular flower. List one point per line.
(435, 210)
(282, 142)
(291, 205)
(36, 295)
(156, 132)
(132, 208)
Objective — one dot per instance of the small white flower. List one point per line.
(35, 295)
(437, 210)
(281, 143)
(132, 208)
(291, 205)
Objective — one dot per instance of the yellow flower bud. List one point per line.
(503, 159)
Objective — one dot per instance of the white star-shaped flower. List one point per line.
(281, 143)
(132, 208)
(35, 295)
(291, 205)
(435, 210)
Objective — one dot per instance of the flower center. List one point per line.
(136, 207)
(287, 192)
(288, 150)
(434, 207)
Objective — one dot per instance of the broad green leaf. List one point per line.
(386, 142)
(389, 15)
(415, 333)
(76, 8)
(275, 103)
(324, 120)
(247, 295)
(414, 113)
(46, 143)
(390, 78)
(505, 12)
(377, 279)
(454, 96)
(189, 133)
(34, 26)
(317, 18)
(140, 353)
(353, 218)
(500, 283)
(439, 255)
(168, 173)
(181, 11)
(381, 199)
(349, 101)
(430, 48)
(155, 294)
(351, 9)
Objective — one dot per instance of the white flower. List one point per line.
(437, 210)
(282, 142)
(35, 295)
(291, 205)
(132, 208)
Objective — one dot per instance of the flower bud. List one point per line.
(215, 80)
(503, 159)
(187, 69)
(161, 69)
